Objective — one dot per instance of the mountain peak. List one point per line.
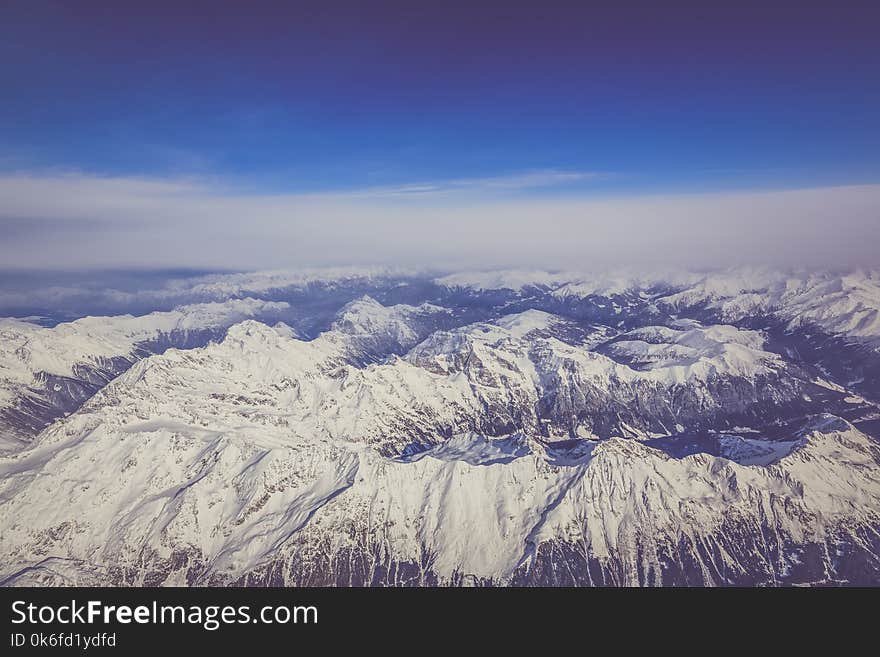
(251, 330)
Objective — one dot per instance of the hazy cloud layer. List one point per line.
(73, 221)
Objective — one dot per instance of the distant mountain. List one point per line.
(497, 428)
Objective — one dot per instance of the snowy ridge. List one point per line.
(845, 305)
(27, 348)
(839, 304)
(223, 286)
(521, 324)
(382, 329)
(44, 370)
(696, 353)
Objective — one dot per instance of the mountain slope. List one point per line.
(47, 372)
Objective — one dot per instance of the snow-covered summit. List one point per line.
(26, 348)
(699, 352)
(401, 324)
(45, 372)
(846, 305)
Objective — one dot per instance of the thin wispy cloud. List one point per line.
(529, 180)
(77, 220)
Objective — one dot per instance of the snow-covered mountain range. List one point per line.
(397, 428)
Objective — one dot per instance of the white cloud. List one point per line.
(58, 221)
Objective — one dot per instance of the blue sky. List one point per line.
(512, 101)
(314, 96)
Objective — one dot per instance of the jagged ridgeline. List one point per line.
(491, 428)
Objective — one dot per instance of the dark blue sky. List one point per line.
(303, 96)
